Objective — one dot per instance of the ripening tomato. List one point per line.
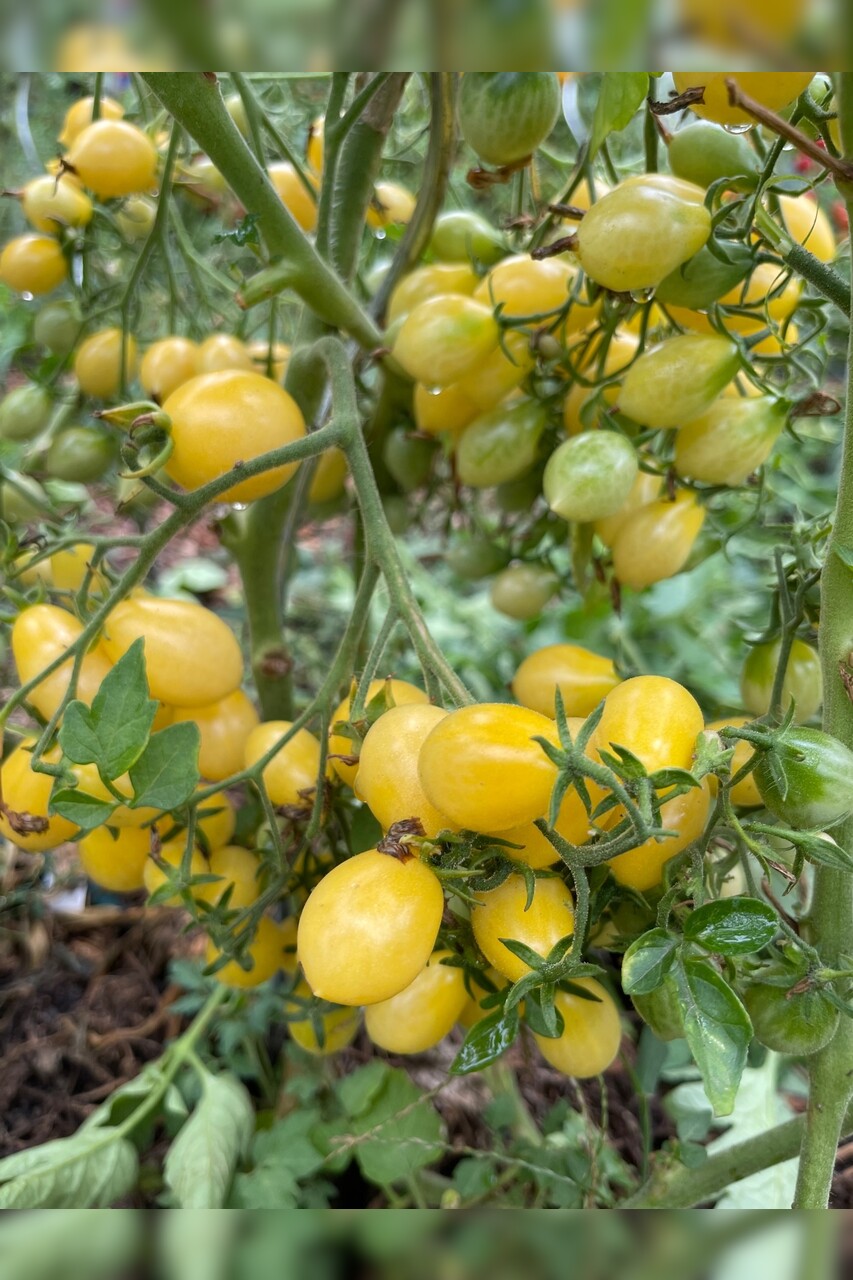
(387, 779)
(135, 218)
(49, 204)
(428, 282)
(166, 365)
(796, 1023)
(57, 327)
(220, 420)
(98, 363)
(272, 361)
(522, 287)
(369, 928)
(67, 570)
(217, 820)
(392, 204)
(444, 338)
(39, 635)
(771, 22)
(32, 264)
(745, 794)
(645, 489)
(583, 678)
(492, 379)
(656, 718)
(292, 775)
(655, 542)
(500, 445)
(238, 869)
(803, 679)
(398, 692)
(687, 815)
(503, 913)
(678, 380)
(705, 153)
(599, 360)
(636, 235)
(89, 782)
(25, 412)
(440, 409)
(481, 766)
(225, 727)
(730, 440)
(191, 656)
(592, 1032)
(505, 115)
(772, 89)
(328, 480)
(807, 779)
(79, 115)
(423, 1013)
(807, 223)
(590, 476)
(461, 235)
(26, 795)
(339, 1026)
(475, 557)
(116, 862)
(409, 458)
(81, 455)
(236, 109)
(522, 590)
(768, 287)
(113, 158)
(222, 351)
(265, 952)
(172, 853)
(293, 194)
(667, 182)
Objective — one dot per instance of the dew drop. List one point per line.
(738, 128)
(642, 295)
(27, 297)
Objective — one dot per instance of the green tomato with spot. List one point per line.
(81, 455)
(806, 779)
(500, 445)
(505, 115)
(673, 383)
(590, 476)
(25, 412)
(797, 1024)
(523, 590)
(462, 235)
(705, 153)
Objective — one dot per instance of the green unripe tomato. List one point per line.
(704, 278)
(57, 327)
(523, 590)
(461, 235)
(80, 454)
(505, 115)
(590, 476)
(704, 153)
(803, 679)
(633, 237)
(661, 1010)
(520, 494)
(731, 440)
(23, 502)
(25, 412)
(500, 445)
(675, 382)
(799, 1025)
(807, 779)
(476, 557)
(409, 458)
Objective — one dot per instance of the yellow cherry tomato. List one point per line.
(597, 363)
(327, 482)
(744, 793)
(387, 779)
(274, 366)
(523, 287)
(292, 775)
(292, 193)
(89, 782)
(79, 115)
(98, 363)
(113, 158)
(32, 264)
(369, 927)
(67, 570)
(440, 409)
(135, 217)
(116, 862)
(771, 89)
(768, 287)
(656, 540)
(809, 225)
(444, 338)
(572, 824)
(50, 203)
(265, 953)
(668, 182)
(504, 369)
(172, 853)
(400, 693)
(687, 814)
(222, 419)
(167, 365)
(656, 718)
(225, 727)
(428, 282)
(583, 678)
(223, 351)
(645, 489)
(315, 146)
(339, 1026)
(26, 795)
(635, 236)
(677, 380)
(421, 1015)
(191, 656)
(503, 913)
(217, 820)
(39, 635)
(392, 204)
(591, 1033)
(238, 871)
(481, 766)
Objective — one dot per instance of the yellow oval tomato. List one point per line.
(191, 656)
(369, 927)
(135, 218)
(291, 776)
(392, 204)
(493, 378)
(645, 489)
(316, 144)
(583, 678)
(271, 363)
(481, 766)
(50, 203)
(222, 351)
(79, 115)
(635, 236)
(339, 1026)
(444, 338)
(656, 718)
(668, 182)
(220, 420)
(591, 1033)
(387, 779)
(768, 286)
(265, 953)
(113, 158)
(327, 482)
(89, 782)
(238, 870)
(745, 793)
(292, 193)
(98, 363)
(399, 692)
(428, 282)
(116, 862)
(167, 365)
(809, 225)
(598, 362)
(172, 853)
(503, 913)
(656, 540)
(217, 820)
(421, 1015)
(642, 868)
(522, 287)
(536, 850)
(26, 795)
(772, 89)
(225, 727)
(677, 380)
(67, 570)
(440, 409)
(32, 264)
(39, 635)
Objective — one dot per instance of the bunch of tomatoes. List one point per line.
(601, 384)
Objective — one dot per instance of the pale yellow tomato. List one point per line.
(293, 195)
(292, 775)
(421, 1015)
(116, 861)
(238, 870)
(217, 820)
(387, 779)
(398, 692)
(493, 378)
(771, 89)
(89, 782)
(40, 635)
(440, 409)
(113, 158)
(32, 264)
(392, 203)
(265, 953)
(223, 351)
(444, 338)
(745, 793)
(225, 727)
(591, 1033)
(582, 677)
(166, 365)
(172, 853)
(273, 363)
(26, 795)
(427, 282)
(339, 1026)
(645, 489)
(50, 203)
(504, 913)
(79, 115)
(100, 360)
(328, 480)
(642, 868)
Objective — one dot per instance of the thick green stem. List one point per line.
(831, 916)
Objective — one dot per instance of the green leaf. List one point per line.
(732, 926)
(358, 1090)
(89, 1170)
(485, 1042)
(112, 734)
(647, 962)
(717, 1029)
(84, 810)
(404, 1131)
(201, 1162)
(620, 94)
(78, 736)
(166, 774)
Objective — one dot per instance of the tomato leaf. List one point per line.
(114, 732)
(86, 811)
(90, 1170)
(166, 773)
(202, 1160)
(485, 1042)
(541, 1014)
(717, 1029)
(732, 926)
(647, 962)
(620, 94)
(398, 1133)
